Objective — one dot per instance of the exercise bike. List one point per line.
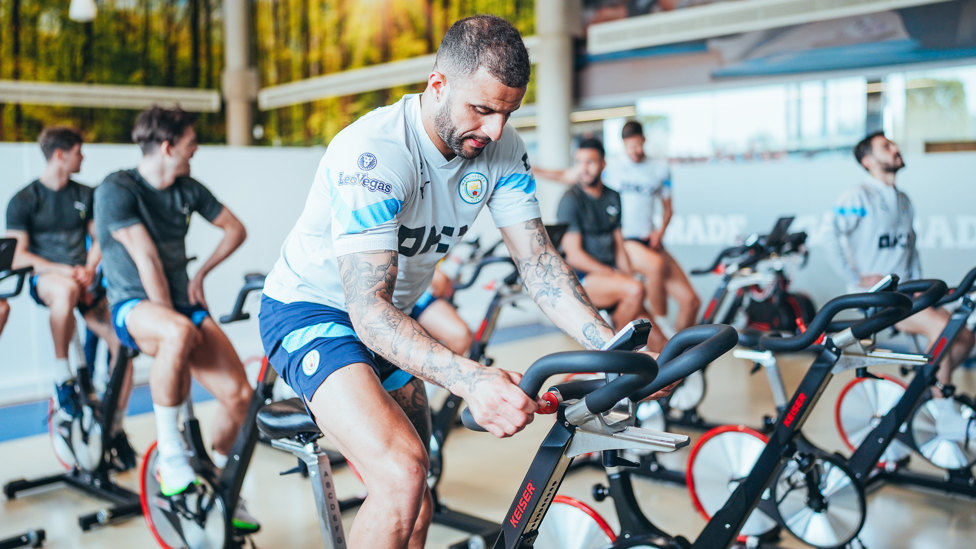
(87, 447)
(203, 519)
(756, 275)
(581, 427)
(884, 409)
(769, 481)
(33, 538)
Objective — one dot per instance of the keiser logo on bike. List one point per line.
(522, 504)
(795, 409)
(363, 180)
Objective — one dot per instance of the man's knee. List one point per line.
(4, 309)
(404, 483)
(177, 331)
(61, 295)
(633, 290)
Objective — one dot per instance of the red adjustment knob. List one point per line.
(552, 404)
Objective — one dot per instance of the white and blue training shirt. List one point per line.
(639, 185)
(384, 185)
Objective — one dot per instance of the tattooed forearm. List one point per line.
(592, 335)
(368, 280)
(554, 285)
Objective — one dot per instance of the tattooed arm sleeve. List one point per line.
(553, 284)
(368, 279)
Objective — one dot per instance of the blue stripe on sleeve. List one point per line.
(367, 217)
(855, 212)
(518, 181)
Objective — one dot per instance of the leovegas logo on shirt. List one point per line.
(522, 504)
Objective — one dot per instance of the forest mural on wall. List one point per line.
(180, 43)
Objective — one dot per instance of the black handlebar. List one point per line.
(252, 282)
(930, 292)
(477, 270)
(962, 289)
(688, 351)
(893, 305)
(733, 251)
(639, 368)
(21, 275)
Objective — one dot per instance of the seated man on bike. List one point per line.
(395, 191)
(872, 235)
(142, 216)
(52, 220)
(641, 182)
(594, 245)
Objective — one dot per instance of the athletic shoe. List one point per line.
(67, 398)
(174, 474)
(243, 521)
(123, 456)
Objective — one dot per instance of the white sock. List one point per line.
(62, 371)
(220, 460)
(174, 467)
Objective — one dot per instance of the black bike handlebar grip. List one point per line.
(962, 289)
(894, 304)
(693, 349)
(642, 366)
(477, 270)
(727, 252)
(575, 390)
(21, 275)
(931, 291)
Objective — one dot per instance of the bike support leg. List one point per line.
(323, 487)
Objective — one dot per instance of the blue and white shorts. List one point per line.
(120, 319)
(307, 342)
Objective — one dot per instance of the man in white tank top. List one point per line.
(872, 236)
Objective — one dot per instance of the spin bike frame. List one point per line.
(585, 427)
(865, 459)
(99, 483)
(721, 532)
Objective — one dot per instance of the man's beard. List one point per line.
(448, 132)
(896, 165)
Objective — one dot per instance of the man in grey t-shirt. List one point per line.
(594, 244)
(52, 221)
(142, 216)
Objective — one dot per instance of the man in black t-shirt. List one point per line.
(142, 216)
(594, 244)
(52, 221)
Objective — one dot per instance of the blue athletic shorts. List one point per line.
(306, 342)
(425, 300)
(120, 317)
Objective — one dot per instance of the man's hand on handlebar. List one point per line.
(498, 404)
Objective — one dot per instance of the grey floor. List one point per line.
(482, 474)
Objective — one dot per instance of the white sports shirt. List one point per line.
(639, 185)
(383, 185)
(872, 234)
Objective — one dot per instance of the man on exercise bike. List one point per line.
(872, 235)
(594, 245)
(142, 216)
(394, 192)
(53, 223)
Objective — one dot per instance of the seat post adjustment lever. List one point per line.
(611, 458)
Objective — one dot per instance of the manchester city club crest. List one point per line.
(473, 188)
(367, 161)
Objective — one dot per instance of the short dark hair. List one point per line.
(58, 138)
(158, 125)
(592, 143)
(865, 146)
(632, 129)
(485, 41)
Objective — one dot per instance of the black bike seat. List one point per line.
(253, 277)
(286, 419)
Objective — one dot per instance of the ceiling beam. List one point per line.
(107, 96)
(725, 18)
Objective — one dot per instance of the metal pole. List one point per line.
(240, 80)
